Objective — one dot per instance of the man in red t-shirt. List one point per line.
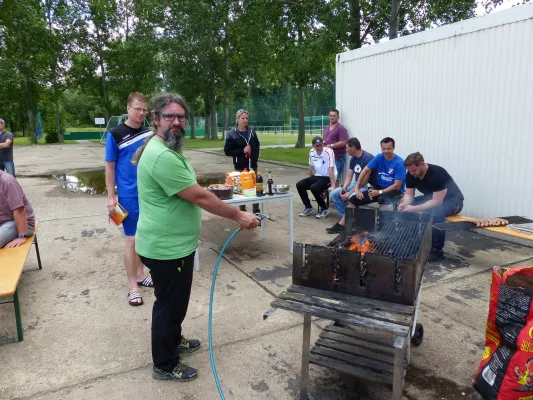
(17, 219)
(335, 137)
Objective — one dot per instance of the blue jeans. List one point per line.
(339, 163)
(447, 208)
(335, 196)
(8, 166)
(9, 232)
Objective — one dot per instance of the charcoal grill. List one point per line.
(369, 286)
(390, 270)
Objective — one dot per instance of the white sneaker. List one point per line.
(322, 214)
(307, 212)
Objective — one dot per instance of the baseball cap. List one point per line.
(317, 140)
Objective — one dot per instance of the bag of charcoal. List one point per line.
(506, 369)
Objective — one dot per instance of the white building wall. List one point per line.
(462, 95)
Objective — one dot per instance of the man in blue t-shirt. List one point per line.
(358, 161)
(390, 179)
(121, 143)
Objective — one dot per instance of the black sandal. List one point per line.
(146, 282)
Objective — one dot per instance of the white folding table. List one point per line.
(240, 200)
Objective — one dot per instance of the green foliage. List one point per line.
(51, 137)
(80, 59)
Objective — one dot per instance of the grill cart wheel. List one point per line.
(418, 337)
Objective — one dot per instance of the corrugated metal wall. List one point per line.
(464, 100)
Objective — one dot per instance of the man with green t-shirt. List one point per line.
(170, 202)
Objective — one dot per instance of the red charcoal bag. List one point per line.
(506, 368)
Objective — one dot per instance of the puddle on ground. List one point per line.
(93, 182)
(86, 182)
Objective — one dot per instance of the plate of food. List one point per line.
(222, 191)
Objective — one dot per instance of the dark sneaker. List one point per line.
(435, 255)
(307, 212)
(322, 214)
(337, 228)
(188, 345)
(182, 373)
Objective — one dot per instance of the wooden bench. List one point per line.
(12, 263)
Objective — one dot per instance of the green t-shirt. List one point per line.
(169, 226)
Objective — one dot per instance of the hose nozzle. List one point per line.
(261, 217)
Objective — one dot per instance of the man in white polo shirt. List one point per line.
(322, 175)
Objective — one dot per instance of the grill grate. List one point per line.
(399, 239)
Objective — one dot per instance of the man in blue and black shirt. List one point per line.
(121, 143)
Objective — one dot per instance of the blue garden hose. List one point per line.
(210, 319)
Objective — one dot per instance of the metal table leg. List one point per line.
(261, 209)
(291, 226)
(306, 345)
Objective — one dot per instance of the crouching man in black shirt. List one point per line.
(440, 195)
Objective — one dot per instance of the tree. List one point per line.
(64, 25)
(23, 30)
(97, 43)
(300, 47)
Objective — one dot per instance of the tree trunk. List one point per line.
(301, 122)
(103, 78)
(12, 126)
(226, 90)
(58, 120)
(104, 90)
(393, 31)
(53, 68)
(355, 24)
(33, 136)
(193, 125)
(213, 110)
(206, 126)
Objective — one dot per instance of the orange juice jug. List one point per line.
(248, 184)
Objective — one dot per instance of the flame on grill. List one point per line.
(361, 243)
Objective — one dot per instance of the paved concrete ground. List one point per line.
(83, 341)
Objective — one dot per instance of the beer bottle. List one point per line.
(270, 183)
(259, 185)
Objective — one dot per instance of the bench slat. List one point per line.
(12, 263)
(348, 308)
(337, 352)
(363, 373)
(356, 300)
(365, 323)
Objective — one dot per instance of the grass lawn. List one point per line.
(94, 129)
(289, 155)
(25, 141)
(266, 140)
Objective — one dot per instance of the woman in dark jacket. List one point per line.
(243, 144)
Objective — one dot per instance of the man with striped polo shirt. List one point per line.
(121, 144)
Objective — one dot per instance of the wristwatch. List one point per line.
(381, 192)
(22, 235)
